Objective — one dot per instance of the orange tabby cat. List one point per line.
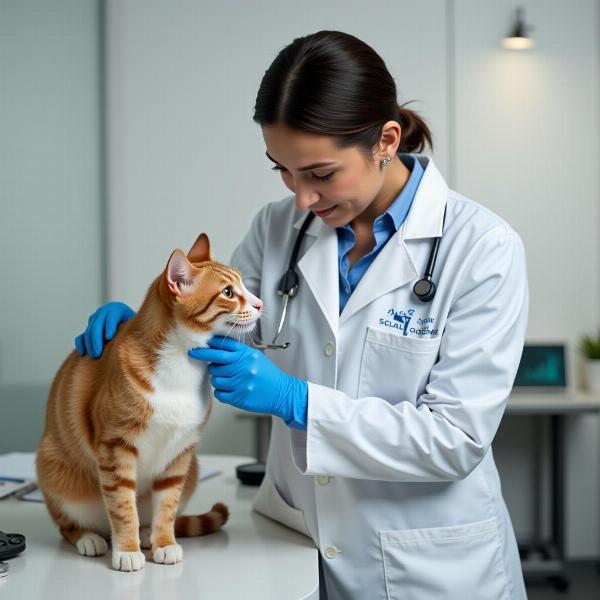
(118, 448)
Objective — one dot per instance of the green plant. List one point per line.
(590, 346)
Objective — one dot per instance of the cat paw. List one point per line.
(168, 555)
(128, 561)
(145, 533)
(91, 544)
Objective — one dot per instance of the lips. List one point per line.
(324, 213)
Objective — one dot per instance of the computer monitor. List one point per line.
(543, 367)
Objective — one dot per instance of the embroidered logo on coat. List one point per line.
(401, 320)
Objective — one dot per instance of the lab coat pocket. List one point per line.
(444, 563)
(268, 502)
(395, 367)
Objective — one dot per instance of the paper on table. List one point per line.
(22, 465)
(34, 496)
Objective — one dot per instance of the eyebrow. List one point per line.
(307, 167)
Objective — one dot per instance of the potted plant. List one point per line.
(590, 347)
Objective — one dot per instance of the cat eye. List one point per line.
(324, 178)
(228, 292)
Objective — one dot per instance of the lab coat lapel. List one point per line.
(394, 266)
(319, 267)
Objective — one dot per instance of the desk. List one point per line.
(541, 558)
(251, 557)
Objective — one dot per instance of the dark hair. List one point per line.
(332, 83)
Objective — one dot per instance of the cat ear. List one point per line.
(180, 276)
(200, 251)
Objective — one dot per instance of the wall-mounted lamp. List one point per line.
(518, 39)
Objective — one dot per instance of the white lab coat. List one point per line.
(395, 480)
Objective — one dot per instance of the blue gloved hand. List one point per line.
(244, 377)
(102, 325)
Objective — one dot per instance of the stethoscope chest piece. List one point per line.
(424, 290)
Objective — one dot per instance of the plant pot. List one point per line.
(593, 375)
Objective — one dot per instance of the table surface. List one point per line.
(251, 557)
(552, 403)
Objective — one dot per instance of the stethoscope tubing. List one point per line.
(424, 289)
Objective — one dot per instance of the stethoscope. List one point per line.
(424, 289)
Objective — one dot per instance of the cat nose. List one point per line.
(258, 304)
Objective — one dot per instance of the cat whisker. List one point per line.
(227, 334)
(239, 333)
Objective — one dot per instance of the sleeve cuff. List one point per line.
(299, 407)
(303, 442)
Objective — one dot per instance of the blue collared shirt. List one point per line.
(384, 226)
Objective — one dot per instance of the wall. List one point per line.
(51, 229)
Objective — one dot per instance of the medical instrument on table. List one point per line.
(424, 289)
(11, 544)
(11, 486)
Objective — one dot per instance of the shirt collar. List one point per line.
(397, 211)
(400, 206)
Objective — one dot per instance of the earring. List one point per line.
(385, 161)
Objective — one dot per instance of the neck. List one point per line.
(157, 343)
(154, 319)
(156, 328)
(395, 179)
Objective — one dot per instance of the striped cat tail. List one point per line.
(209, 522)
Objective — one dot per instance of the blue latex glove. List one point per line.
(244, 377)
(102, 326)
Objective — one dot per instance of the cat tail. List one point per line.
(209, 522)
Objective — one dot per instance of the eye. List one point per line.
(278, 168)
(228, 292)
(324, 178)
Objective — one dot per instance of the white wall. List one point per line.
(51, 222)
(517, 132)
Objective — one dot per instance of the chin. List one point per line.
(337, 221)
(231, 329)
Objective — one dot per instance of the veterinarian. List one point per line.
(388, 397)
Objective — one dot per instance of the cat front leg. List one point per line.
(166, 495)
(117, 460)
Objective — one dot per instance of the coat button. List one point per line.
(329, 348)
(323, 479)
(331, 552)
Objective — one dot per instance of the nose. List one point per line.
(305, 198)
(253, 301)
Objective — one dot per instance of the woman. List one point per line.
(388, 404)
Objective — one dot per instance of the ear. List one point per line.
(200, 251)
(179, 274)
